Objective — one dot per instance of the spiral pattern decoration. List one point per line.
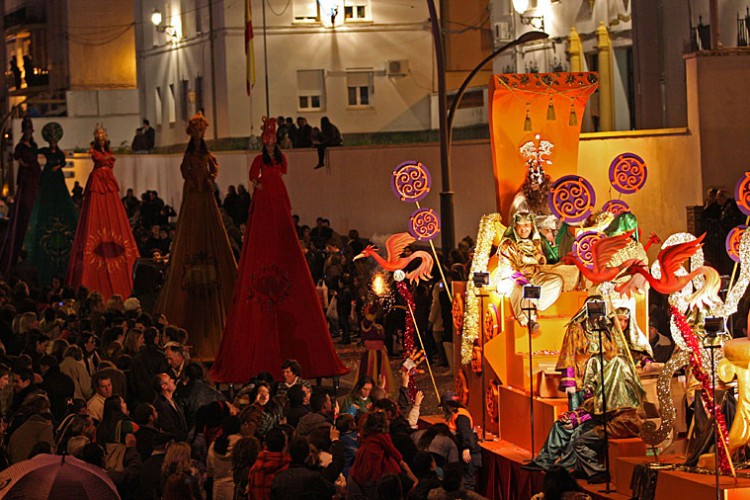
(732, 243)
(411, 181)
(424, 224)
(572, 198)
(616, 207)
(583, 247)
(742, 193)
(627, 173)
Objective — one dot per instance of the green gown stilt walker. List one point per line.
(52, 226)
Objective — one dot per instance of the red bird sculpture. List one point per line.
(602, 252)
(670, 260)
(394, 246)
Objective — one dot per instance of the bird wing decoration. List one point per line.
(395, 245)
(672, 257)
(424, 270)
(606, 248)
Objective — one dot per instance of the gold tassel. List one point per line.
(573, 120)
(527, 121)
(551, 111)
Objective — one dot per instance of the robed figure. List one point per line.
(275, 314)
(52, 226)
(198, 288)
(104, 250)
(27, 181)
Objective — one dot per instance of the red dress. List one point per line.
(275, 313)
(104, 249)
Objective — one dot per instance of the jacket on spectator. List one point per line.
(77, 372)
(171, 419)
(262, 473)
(35, 429)
(298, 482)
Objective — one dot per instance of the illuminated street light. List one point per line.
(156, 17)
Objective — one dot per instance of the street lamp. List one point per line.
(536, 22)
(169, 30)
(156, 17)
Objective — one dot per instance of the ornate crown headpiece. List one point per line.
(536, 153)
(198, 120)
(522, 217)
(100, 132)
(269, 131)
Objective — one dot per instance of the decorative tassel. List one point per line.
(527, 121)
(573, 120)
(551, 111)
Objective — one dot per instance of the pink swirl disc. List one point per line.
(742, 193)
(616, 207)
(583, 247)
(424, 224)
(627, 173)
(411, 181)
(732, 243)
(571, 198)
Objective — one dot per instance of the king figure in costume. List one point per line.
(104, 250)
(197, 292)
(275, 313)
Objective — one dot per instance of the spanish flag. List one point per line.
(249, 49)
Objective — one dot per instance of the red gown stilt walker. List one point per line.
(104, 250)
(275, 313)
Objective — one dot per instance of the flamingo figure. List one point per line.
(394, 246)
(602, 252)
(671, 260)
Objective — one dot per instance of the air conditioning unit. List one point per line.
(398, 67)
(501, 32)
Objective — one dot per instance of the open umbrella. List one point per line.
(53, 476)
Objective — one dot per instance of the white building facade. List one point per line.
(370, 70)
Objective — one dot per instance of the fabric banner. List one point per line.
(524, 105)
(249, 47)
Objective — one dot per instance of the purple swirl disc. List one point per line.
(732, 243)
(616, 207)
(583, 247)
(571, 198)
(411, 181)
(742, 193)
(424, 224)
(627, 173)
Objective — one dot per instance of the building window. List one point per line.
(357, 10)
(310, 89)
(306, 11)
(199, 94)
(360, 89)
(198, 16)
(157, 102)
(184, 91)
(171, 106)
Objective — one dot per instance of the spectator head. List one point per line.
(422, 464)
(377, 394)
(76, 444)
(299, 449)
(296, 395)
(146, 123)
(93, 454)
(40, 341)
(164, 385)
(150, 336)
(41, 447)
(374, 423)
(261, 394)
(114, 406)
(59, 346)
(194, 372)
(230, 425)
(22, 378)
(389, 487)
(290, 370)
(363, 387)
(175, 354)
(103, 385)
(179, 486)
(345, 423)
(320, 402)
(177, 458)
(4, 376)
(88, 343)
(275, 440)
(83, 425)
(132, 305)
(453, 475)
(244, 453)
(145, 414)
(47, 363)
(320, 438)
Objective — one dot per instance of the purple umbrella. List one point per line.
(53, 476)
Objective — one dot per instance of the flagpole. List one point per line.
(265, 59)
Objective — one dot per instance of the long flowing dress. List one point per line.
(275, 312)
(198, 289)
(104, 250)
(28, 188)
(52, 226)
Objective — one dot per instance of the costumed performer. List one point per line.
(52, 226)
(197, 291)
(27, 181)
(575, 440)
(374, 361)
(275, 313)
(520, 260)
(104, 250)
